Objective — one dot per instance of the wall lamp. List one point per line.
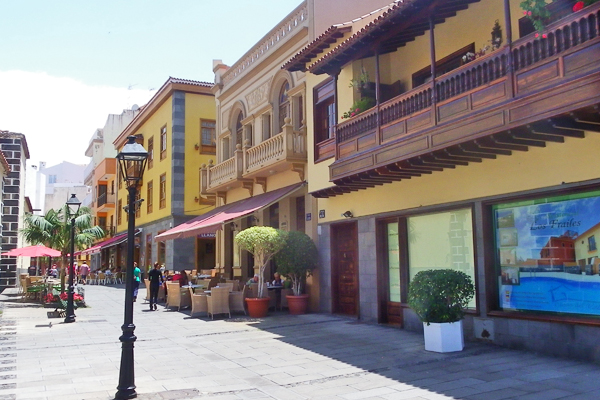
(347, 214)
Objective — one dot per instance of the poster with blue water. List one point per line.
(547, 256)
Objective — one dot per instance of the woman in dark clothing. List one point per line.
(156, 279)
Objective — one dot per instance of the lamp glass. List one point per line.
(132, 162)
(73, 203)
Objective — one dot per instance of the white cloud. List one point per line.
(59, 115)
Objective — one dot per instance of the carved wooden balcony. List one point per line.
(537, 90)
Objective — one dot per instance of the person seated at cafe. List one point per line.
(54, 271)
(253, 280)
(277, 281)
(182, 278)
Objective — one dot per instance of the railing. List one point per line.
(105, 198)
(287, 144)
(558, 37)
(108, 230)
(222, 171)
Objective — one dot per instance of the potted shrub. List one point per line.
(439, 298)
(263, 242)
(296, 261)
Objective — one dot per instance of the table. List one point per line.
(193, 287)
(277, 289)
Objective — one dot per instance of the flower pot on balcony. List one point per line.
(297, 304)
(258, 307)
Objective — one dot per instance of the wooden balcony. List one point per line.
(253, 164)
(105, 202)
(537, 90)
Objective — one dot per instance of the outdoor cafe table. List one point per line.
(277, 289)
(193, 287)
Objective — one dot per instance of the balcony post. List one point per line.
(509, 57)
(288, 138)
(203, 178)
(432, 57)
(209, 167)
(240, 158)
(377, 96)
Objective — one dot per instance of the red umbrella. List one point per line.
(33, 251)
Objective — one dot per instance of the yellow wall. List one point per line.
(549, 166)
(196, 107)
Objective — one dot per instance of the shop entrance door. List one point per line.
(345, 268)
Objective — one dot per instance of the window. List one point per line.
(393, 254)
(119, 212)
(149, 249)
(266, 126)
(138, 204)
(151, 152)
(239, 130)
(284, 106)
(163, 191)
(592, 243)
(51, 178)
(162, 251)
(325, 118)
(149, 191)
(208, 132)
(442, 66)
(163, 142)
(441, 241)
(546, 254)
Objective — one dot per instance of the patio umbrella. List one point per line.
(33, 251)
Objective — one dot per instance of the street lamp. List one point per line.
(132, 163)
(72, 209)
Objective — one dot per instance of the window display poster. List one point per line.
(546, 254)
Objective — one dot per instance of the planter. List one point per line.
(297, 304)
(443, 338)
(258, 307)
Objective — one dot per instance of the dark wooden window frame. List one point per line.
(162, 191)
(149, 196)
(323, 96)
(150, 152)
(163, 142)
(208, 148)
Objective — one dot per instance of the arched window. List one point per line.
(284, 105)
(239, 130)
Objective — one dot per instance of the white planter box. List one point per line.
(444, 338)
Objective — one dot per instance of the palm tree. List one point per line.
(54, 230)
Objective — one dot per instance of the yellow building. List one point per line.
(469, 141)
(177, 128)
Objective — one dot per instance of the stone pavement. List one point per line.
(313, 356)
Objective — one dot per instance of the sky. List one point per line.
(65, 65)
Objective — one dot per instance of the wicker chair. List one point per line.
(199, 302)
(174, 295)
(101, 278)
(229, 286)
(218, 302)
(236, 301)
(236, 284)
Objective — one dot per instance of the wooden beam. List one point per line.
(429, 160)
(456, 152)
(394, 170)
(508, 137)
(539, 136)
(490, 142)
(574, 127)
(474, 148)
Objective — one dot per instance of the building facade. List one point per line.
(478, 154)
(14, 147)
(177, 128)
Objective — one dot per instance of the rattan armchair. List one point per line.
(218, 302)
(199, 302)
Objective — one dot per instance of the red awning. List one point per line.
(113, 241)
(213, 220)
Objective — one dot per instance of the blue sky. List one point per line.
(66, 65)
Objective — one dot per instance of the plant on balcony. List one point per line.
(537, 11)
(581, 4)
(494, 44)
(359, 106)
(361, 82)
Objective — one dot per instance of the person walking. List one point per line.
(136, 280)
(84, 270)
(156, 279)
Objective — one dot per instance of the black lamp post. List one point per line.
(132, 163)
(72, 208)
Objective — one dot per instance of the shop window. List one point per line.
(546, 255)
(161, 251)
(149, 250)
(441, 241)
(393, 258)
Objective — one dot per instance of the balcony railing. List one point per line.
(530, 64)
(274, 154)
(105, 198)
(109, 231)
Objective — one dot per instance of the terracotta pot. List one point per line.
(297, 304)
(258, 307)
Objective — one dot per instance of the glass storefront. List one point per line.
(442, 241)
(546, 254)
(393, 251)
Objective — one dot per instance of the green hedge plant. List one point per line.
(297, 259)
(440, 295)
(263, 242)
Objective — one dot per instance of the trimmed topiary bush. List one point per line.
(297, 259)
(440, 295)
(263, 242)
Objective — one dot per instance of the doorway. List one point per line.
(344, 257)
